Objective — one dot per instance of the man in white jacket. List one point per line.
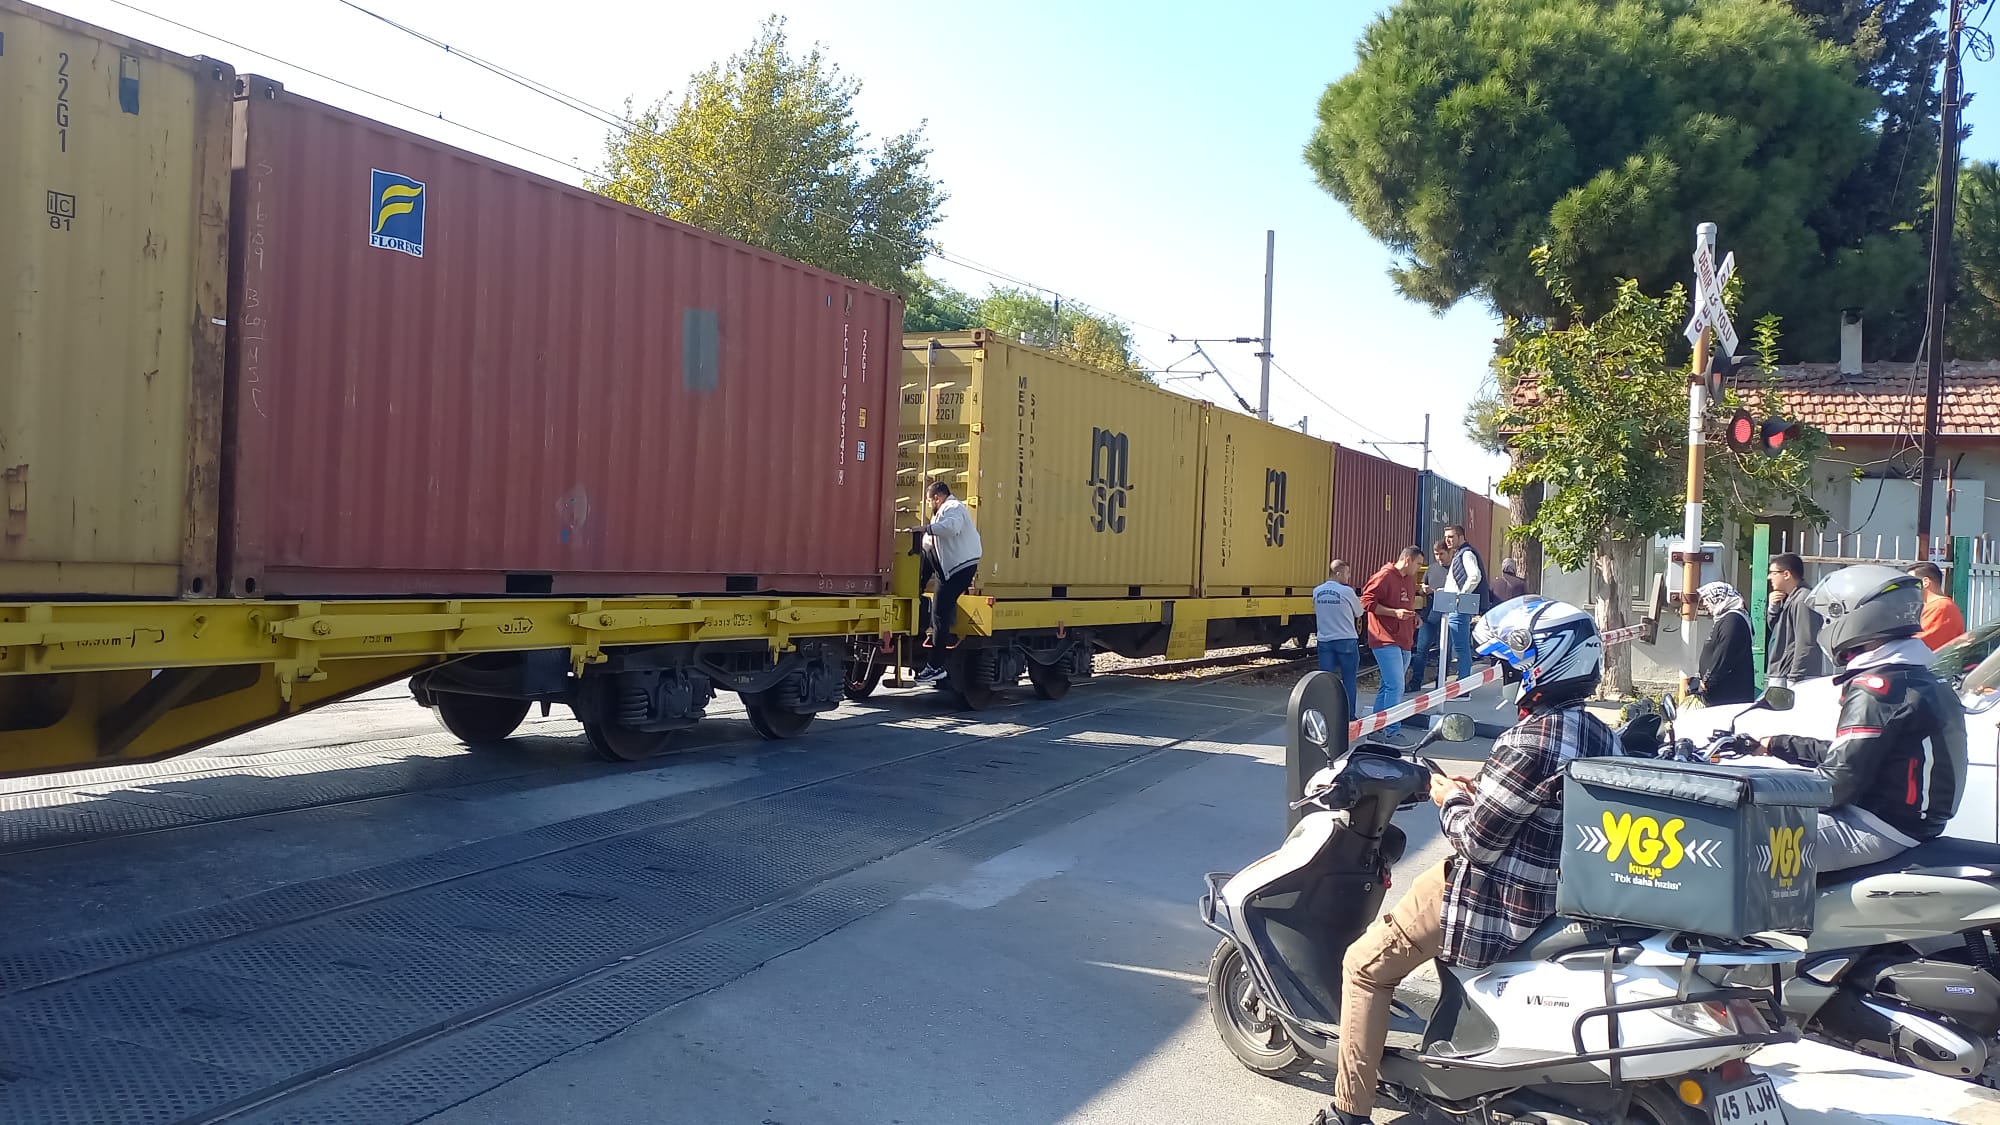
(1466, 575)
(953, 540)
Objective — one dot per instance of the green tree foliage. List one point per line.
(1471, 131)
(1973, 320)
(1607, 432)
(1898, 47)
(1086, 337)
(764, 148)
(1027, 316)
(933, 306)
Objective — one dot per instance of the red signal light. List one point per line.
(1742, 432)
(1776, 433)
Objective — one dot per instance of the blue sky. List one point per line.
(1126, 155)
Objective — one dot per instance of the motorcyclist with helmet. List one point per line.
(1897, 758)
(1505, 829)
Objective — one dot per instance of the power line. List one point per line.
(398, 103)
(1365, 427)
(632, 129)
(607, 117)
(925, 247)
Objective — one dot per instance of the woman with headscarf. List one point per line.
(1727, 674)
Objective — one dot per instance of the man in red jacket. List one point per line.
(1389, 602)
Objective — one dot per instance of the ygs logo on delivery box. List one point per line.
(1648, 848)
(1785, 856)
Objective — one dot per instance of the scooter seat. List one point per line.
(1941, 852)
(1558, 936)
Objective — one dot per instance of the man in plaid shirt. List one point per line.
(1505, 829)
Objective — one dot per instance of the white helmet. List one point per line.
(1553, 645)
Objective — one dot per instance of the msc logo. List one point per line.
(1787, 852)
(1110, 479)
(395, 213)
(1275, 508)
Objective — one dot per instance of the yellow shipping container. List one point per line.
(1084, 484)
(1267, 507)
(114, 222)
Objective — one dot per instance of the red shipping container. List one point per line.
(1374, 510)
(450, 376)
(1479, 526)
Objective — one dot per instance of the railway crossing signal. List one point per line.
(1771, 435)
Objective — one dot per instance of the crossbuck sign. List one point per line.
(1708, 310)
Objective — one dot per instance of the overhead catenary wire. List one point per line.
(627, 126)
(362, 90)
(631, 128)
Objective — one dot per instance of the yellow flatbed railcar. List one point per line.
(87, 684)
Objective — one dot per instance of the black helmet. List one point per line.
(1863, 606)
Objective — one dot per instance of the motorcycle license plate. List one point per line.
(1755, 1104)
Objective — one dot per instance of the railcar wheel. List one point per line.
(1049, 683)
(969, 674)
(623, 744)
(479, 720)
(776, 723)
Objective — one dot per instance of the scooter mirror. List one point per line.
(1777, 698)
(1455, 727)
(1667, 707)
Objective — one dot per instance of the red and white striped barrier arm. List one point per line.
(1456, 689)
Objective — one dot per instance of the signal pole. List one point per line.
(1942, 219)
(1709, 324)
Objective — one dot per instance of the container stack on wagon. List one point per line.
(1440, 504)
(1374, 510)
(321, 397)
(114, 219)
(451, 376)
(1084, 484)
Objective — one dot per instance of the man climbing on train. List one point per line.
(952, 540)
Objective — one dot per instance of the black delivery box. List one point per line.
(1717, 850)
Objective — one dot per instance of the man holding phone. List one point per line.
(1389, 601)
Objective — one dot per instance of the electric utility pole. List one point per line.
(1942, 218)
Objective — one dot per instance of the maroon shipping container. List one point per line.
(449, 376)
(1479, 525)
(1374, 510)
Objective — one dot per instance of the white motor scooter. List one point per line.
(1583, 1023)
(1901, 961)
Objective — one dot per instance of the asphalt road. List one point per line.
(909, 917)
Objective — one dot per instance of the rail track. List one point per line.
(389, 993)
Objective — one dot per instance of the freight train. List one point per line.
(294, 404)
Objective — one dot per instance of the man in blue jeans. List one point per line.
(1338, 609)
(1430, 624)
(1466, 575)
(1388, 600)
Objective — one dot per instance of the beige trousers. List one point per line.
(1392, 949)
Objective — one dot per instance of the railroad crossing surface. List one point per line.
(908, 917)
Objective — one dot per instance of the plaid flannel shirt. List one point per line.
(1508, 834)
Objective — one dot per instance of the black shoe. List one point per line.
(1332, 1116)
(930, 675)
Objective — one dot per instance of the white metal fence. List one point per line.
(1824, 553)
(1982, 599)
